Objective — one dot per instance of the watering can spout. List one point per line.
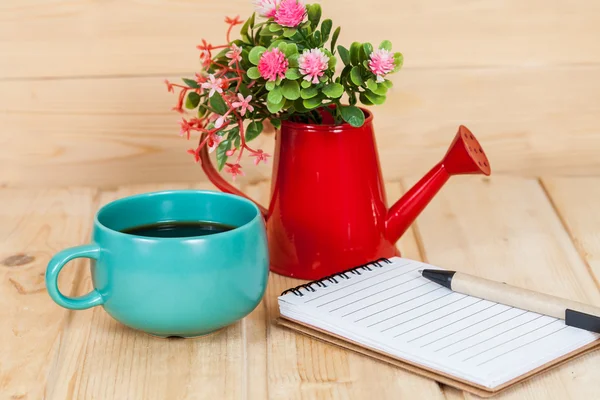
(465, 156)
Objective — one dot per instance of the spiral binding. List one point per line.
(332, 278)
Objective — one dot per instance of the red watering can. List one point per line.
(328, 209)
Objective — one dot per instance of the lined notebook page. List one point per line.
(393, 309)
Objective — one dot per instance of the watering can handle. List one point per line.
(222, 184)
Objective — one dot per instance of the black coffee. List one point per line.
(178, 229)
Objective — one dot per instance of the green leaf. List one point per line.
(309, 93)
(292, 74)
(253, 73)
(291, 49)
(191, 83)
(386, 45)
(254, 129)
(326, 29)
(381, 89)
(289, 32)
(275, 28)
(293, 60)
(305, 84)
(217, 104)
(276, 123)
(314, 15)
(324, 78)
(312, 103)
(266, 32)
(275, 95)
(317, 39)
(389, 84)
(355, 76)
(275, 107)
(371, 84)
(353, 115)
(352, 99)
(332, 62)
(270, 85)
(334, 38)
(274, 44)
(365, 101)
(290, 90)
(398, 61)
(344, 54)
(282, 46)
(223, 148)
(374, 98)
(368, 49)
(192, 101)
(255, 54)
(354, 53)
(201, 111)
(333, 90)
(246, 26)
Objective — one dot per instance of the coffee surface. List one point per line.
(178, 229)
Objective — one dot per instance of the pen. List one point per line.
(578, 315)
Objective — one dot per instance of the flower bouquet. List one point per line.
(281, 68)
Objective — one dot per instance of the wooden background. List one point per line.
(82, 100)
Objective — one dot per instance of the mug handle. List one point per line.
(56, 264)
(220, 183)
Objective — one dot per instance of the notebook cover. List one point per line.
(470, 387)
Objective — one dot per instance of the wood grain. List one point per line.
(505, 229)
(108, 132)
(41, 38)
(34, 225)
(576, 202)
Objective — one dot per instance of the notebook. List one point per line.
(386, 309)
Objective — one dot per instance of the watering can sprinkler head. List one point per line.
(464, 156)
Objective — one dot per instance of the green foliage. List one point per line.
(192, 101)
(291, 97)
(352, 115)
(254, 129)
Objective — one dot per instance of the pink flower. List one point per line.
(313, 64)
(272, 65)
(243, 104)
(220, 121)
(213, 142)
(260, 156)
(290, 13)
(186, 127)
(234, 170)
(213, 84)
(381, 63)
(266, 8)
(235, 54)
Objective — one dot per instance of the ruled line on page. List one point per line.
(466, 327)
(511, 339)
(498, 334)
(386, 299)
(447, 325)
(368, 287)
(356, 283)
(395, 305)
(521, 346)
(417, 307)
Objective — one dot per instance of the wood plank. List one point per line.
(34, 225)
(56, 133)
(303, 368)
(505, 229)
(576, 201)
(87, 38)
(100, 358)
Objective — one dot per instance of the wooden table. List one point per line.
(506, 228)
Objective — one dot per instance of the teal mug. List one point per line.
(172, 286)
